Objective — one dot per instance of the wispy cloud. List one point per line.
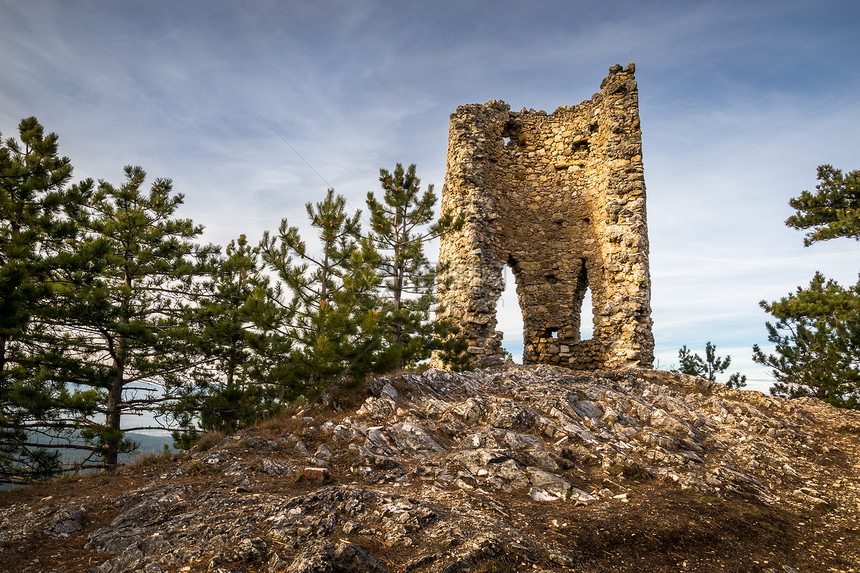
(740, 102)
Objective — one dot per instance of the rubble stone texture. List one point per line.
(560, 198)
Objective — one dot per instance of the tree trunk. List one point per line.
(114, 408)
(113, 419)
(397, 334)
(2, 362)
(399, 271)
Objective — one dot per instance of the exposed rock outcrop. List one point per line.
(519, 468)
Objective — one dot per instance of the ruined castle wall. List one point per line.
(560, 198)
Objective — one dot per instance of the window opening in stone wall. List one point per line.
(583, 299)
(586, 317)
(551, 332)
(509, 317)
(506, 139)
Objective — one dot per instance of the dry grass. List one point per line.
(149, 459)
(284, 421)
(208, 441)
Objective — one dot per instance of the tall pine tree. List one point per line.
(331, 296)
(130, 331)
(34, 234)
(402, 223)
(816, 336)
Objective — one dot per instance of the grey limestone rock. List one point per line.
(276, 468)
(335, 557)
(67, 521)
(414, 439)
(452, 487)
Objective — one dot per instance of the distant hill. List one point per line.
(147, 444)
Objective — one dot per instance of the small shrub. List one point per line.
(631, 471)
(208, 441)
(150, 459)
(194, 467)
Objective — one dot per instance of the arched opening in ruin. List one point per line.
(509, 316)
(583, 304)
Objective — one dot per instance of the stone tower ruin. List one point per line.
(560, 198)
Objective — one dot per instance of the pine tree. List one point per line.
(708, 367)
(236, 382)
(817, 333)
(331, 293)
(402, 223)
(34, 231)
(129, 330)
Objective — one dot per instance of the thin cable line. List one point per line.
(329, 185)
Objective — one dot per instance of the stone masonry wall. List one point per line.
(560, 198)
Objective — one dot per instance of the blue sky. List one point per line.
(740, 101)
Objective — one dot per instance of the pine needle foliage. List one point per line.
(402, 222)
(34, 231)
(330, 293)
(833, 210)
(238, 321)
(816, 335)
(817, 343)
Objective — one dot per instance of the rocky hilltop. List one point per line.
(510, 469)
